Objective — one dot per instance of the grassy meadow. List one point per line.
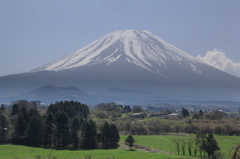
(165, 149)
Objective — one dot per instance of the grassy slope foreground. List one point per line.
(162, 143)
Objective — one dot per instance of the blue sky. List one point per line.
(34, 33)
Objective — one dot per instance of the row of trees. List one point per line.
(191, 126)
(202, 144)
(64, 124)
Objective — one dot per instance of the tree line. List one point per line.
(64, 124)
(202, 144)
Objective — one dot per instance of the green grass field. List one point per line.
(159, 142)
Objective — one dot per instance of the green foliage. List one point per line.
(49, 130)
(137, 109)
(89, 134)
(110, 109)
(105, 134)
(61, 131)
(100, 114)
(15, 109)
(34, 129)
(236, 151)
(130, 140)
(126, 109)
(4, 127)
(71, 108)
(74, 131)
(114, 135)
(138, 127)
(211, 145)
(191, 129)
(185, 112)
(215, 115)
(20, 127)
(2, 108)
(110, 135)
(220, 130)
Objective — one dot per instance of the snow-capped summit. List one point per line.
(137, 47)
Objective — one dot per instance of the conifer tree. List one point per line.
(130, 140)
(211, 145)
(4, 126)
(74, 131)
(49, 129)
(105, 134)
(20, 126)
(89, 135)
(34, 129)
(15, 109)
(2, 108)
(113, 135)
(185, 112)
(61, 132)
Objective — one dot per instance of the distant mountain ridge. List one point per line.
(51, 89)
(129, 60)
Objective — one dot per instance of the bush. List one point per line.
(139, 128)
(191, 129)
(220, 130)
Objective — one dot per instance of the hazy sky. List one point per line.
(34, 33)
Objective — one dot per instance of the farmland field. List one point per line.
(163, 145)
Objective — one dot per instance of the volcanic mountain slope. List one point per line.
(140, 48)
(129, 59)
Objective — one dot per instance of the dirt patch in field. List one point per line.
(222, 139)
(148, 149)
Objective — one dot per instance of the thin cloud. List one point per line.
(219, 60)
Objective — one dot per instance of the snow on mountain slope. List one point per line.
(140, 48)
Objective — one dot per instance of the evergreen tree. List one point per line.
(20, 126)
(49, 129)
(130, 140)
(71, 108)
(4, 126)
(61, 131)
(127, 109)
(113, 135)
(185, 112)
(105, 134)
(31, 113)
(211, 145)
(137, 109)
(99, 139)
(89, 135)
(74, 131)
(2, 108)
(15, 109)
(201, 142)
(34, 129)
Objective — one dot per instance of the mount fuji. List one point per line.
(129, 60)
